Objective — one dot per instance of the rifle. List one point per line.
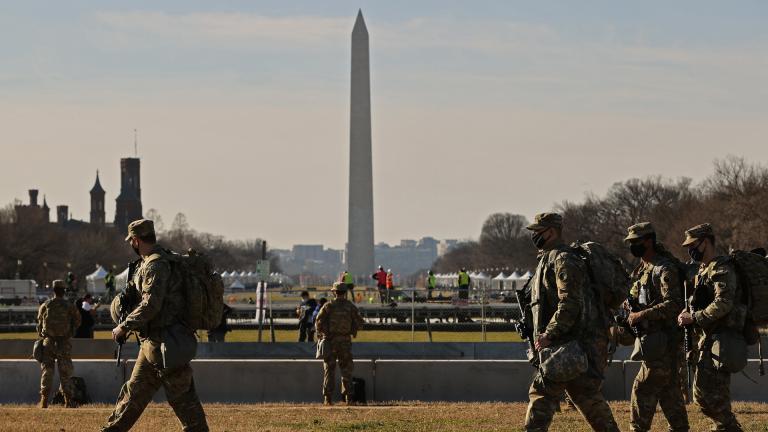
(525, 332)
(687, 345)
(634, 306)
(129, 299)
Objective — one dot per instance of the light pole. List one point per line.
(18, 269)
(45, 274)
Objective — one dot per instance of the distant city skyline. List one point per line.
(499, 107)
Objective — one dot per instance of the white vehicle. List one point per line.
(14, 291)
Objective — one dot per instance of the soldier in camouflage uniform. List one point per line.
(656, 287)
(563, 309)
(337, 323)
(56, 321)
(717, 306)
(160, 311)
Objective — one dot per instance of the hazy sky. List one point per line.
(242, 107)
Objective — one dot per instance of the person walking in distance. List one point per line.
(381, 283)
(390, 285)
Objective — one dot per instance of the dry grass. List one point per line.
(386, 417)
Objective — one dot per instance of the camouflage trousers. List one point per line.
(658, 383)
(145, 380)
(57, 350)
(712, 393)
(341, 353)
(585, 391)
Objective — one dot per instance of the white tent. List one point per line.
(513, 281)
(120, 280)
(497, 283)
(95, 281)
(236, 286)
(527, 275)
(480, 280)
(224, 274)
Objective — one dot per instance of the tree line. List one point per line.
(47, 251)
(733, 198)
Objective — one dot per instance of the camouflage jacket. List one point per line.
(162, 300)
(561, 300)
(656, 285)
(716, 299)
(338, 318)
(57, 317)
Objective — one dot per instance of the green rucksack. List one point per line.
(57, 321)
(203, 289)
(752, 271)
(607, 274)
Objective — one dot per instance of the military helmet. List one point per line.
(114, 309)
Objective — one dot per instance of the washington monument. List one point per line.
(360, 240)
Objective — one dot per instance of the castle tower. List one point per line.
(98, 215)
(46, 211)
(128, 203)
(62, 214)
(360, 236)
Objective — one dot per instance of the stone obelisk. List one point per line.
(360, 241)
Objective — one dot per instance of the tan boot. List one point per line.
(327, 401)
(43, 401)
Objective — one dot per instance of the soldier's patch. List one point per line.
(562, 275)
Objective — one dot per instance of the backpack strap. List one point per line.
(152, 258)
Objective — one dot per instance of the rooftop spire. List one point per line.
(97, 186)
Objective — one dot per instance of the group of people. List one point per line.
(563, 310)
(306, 312)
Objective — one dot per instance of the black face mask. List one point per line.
(637, 249)
(695, 253)
(538, 239)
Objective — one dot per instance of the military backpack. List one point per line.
(607, 274)
(752, 272)
(57, 321)
(203, 289)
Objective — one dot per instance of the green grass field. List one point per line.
(398, 417)
(363, 336)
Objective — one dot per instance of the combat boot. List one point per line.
(327, 401)
(43, 401)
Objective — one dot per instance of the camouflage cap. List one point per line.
(58, 283)
(546, 220)
(639, 230)
(340, 287)
(692, 235)
(140, 228)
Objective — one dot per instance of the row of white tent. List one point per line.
(479, 280)
(234, 280)
(239, 279)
